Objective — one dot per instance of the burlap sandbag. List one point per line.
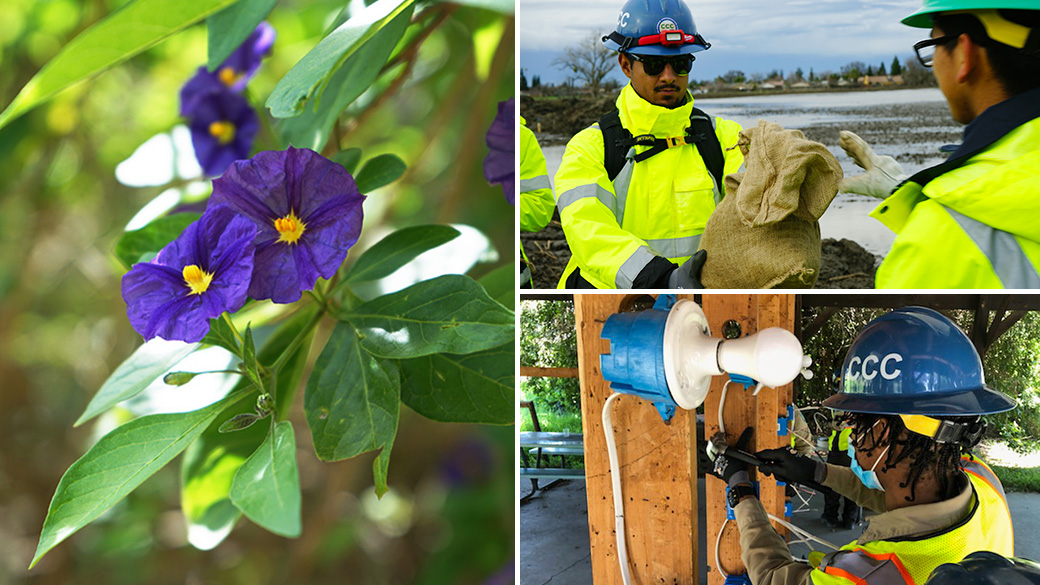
(765, 232)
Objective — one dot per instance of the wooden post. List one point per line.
(658, 469)
(753, 313)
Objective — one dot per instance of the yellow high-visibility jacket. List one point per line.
(971, 222)
(536, 201)
(654, 208)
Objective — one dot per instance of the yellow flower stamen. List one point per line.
(290, 227)
(228, 76)
(196, 279)
(223, 131)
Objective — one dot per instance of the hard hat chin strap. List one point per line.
(966, 434)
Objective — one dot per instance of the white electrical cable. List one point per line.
(619, 502)
(803, 533)
(722, 403)
(718, 541)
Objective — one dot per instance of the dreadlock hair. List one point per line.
(1017, 70)
(926, 456)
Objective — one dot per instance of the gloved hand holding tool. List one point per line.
(689, 274)
(883, 174)
(787, 466)
(730, 463)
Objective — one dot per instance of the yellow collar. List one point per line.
(639, 116)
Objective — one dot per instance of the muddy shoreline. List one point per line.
(911, 132)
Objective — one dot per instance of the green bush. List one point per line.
(1018, 479)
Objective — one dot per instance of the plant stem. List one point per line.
(282, 406)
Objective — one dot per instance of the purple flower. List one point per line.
(233, 73)
(500, 163)
(223, 126)
(195, 278)
(308, 213)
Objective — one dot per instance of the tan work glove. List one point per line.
(883, 172)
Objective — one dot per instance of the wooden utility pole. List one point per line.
(658, 465)
(753, 313)
(658, 461)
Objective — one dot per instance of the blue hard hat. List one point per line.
(655, 27)
(986, 568)
(915, 361)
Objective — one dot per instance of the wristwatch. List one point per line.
(737, 492)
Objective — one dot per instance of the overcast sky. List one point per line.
(749, 35)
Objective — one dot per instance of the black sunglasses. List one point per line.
(654, 65)
(926, 49)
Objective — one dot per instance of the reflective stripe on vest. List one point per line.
(581, 192)
(1003, 251)
(676, 247)
(535, 184)
(864, 568)
(630, 268)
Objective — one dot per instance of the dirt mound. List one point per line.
(562, 118)
(844, 263)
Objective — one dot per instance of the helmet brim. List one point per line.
(974, 402)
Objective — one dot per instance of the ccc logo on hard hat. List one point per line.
(666, 24)
(870, 366)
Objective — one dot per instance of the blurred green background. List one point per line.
(63, 329)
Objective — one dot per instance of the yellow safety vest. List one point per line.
(974, 226)
(911, 560)
(657, 207)
(843, 439)
(536, 201)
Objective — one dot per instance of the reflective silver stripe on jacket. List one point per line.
(621, 184)
(535, 184)
(626, 275)
(676, 247)
(866, 569)
(525, 276)
(581, 192)
(1005, 254)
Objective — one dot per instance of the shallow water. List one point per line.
(909, 125)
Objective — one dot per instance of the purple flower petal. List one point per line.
(303, 185)
(500, 163)
(223, 127)
(245, 60)
(160, 302)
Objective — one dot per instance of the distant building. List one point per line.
(881, 80)
(800, 85)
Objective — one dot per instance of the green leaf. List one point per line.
(311, 128)
(137, 26)
(299, 84)
(447, 314)
(474, 388)
(249, 363)
(207, 469)
(398, 249)
(503, 6)
(500, 284)
(117, 464)
(143, 367)
(348, 158)
(229, 28)
(239, 422)
(222, 335)
(142, 245)
(380, 171)
(267, 486)
(352, 400)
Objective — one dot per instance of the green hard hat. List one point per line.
(923, 17)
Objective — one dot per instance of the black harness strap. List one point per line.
(617, 140)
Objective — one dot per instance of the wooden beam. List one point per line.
(538, 372)
(817, 323)
(658, 465)
(741, 409)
